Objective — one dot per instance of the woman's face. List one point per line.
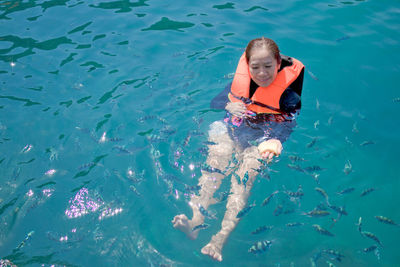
(263, 66)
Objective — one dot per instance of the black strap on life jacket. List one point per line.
(248, 101)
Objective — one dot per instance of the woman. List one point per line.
(263, 100)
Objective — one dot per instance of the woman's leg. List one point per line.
(219, 157)
(236, 202)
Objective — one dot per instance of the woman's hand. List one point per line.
(237, 109)
(270, 148)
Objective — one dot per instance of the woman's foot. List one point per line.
(182, 223)
(213, 251)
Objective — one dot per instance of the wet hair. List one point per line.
(263, 43)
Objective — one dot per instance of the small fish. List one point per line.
(321, 230)
(317, 105)
(323, 193)
(367, 191)
(365, 143)
(334, 254)
(86, 165)
(370, 248)
(278, 210)
(244, 211)
(28, 236)
(122, 150)
(262, 229)
(316, 124)
(385, 220)
(312, 143)
(296, 158)
(205, 213)
(268, 198)
(397, 99)
(260, 246)
(222, 196)
(200, 227)
(346, 191)
(131, 187)
(330, 264)
(348, 168)
(208, 168)
(359, 224)
(295, 167)
(313, 168)
(339, 210)
(343, 38)
(330, 120)
(298, 193)
(313, 76)
(372, 236)
(317, 213)
(115, 139)
(245, 178)
(294, 224)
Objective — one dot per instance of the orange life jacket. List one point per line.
(265, 99)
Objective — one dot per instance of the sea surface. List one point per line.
(104, 116)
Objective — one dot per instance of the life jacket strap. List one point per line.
(248, 101)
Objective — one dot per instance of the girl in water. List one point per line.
(262, 103)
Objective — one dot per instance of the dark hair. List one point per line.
(263, 42)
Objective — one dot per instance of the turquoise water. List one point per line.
(104, 111)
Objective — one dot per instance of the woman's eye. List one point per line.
(267, 66)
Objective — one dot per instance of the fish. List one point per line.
(298, 193)
(205, 213)
(346, 191)
(372, 236)
(26, 148)
(348, 168)
(294, 158)
(367, 191)
(244, 211)
(321, 230)
(268, 198)
(262, 229)
(333, 254)
(343, 38)
(245, 178)
(330, 120)
(316, 124)
(295, 167)
(131, 187)
(208, 168)
(222, 196)
(323, 193)
(369, 142)
(200, 227)
(260, 246)
(313, 76)
(122, 150)
(278, 210)
(386, 220)
(370, 248)
(28, 236)
(312, 143)
(359, 224)
(294, 224)
(339, 210)
(317, 105)
(314, 168)
(396, 99)
(317, 213)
